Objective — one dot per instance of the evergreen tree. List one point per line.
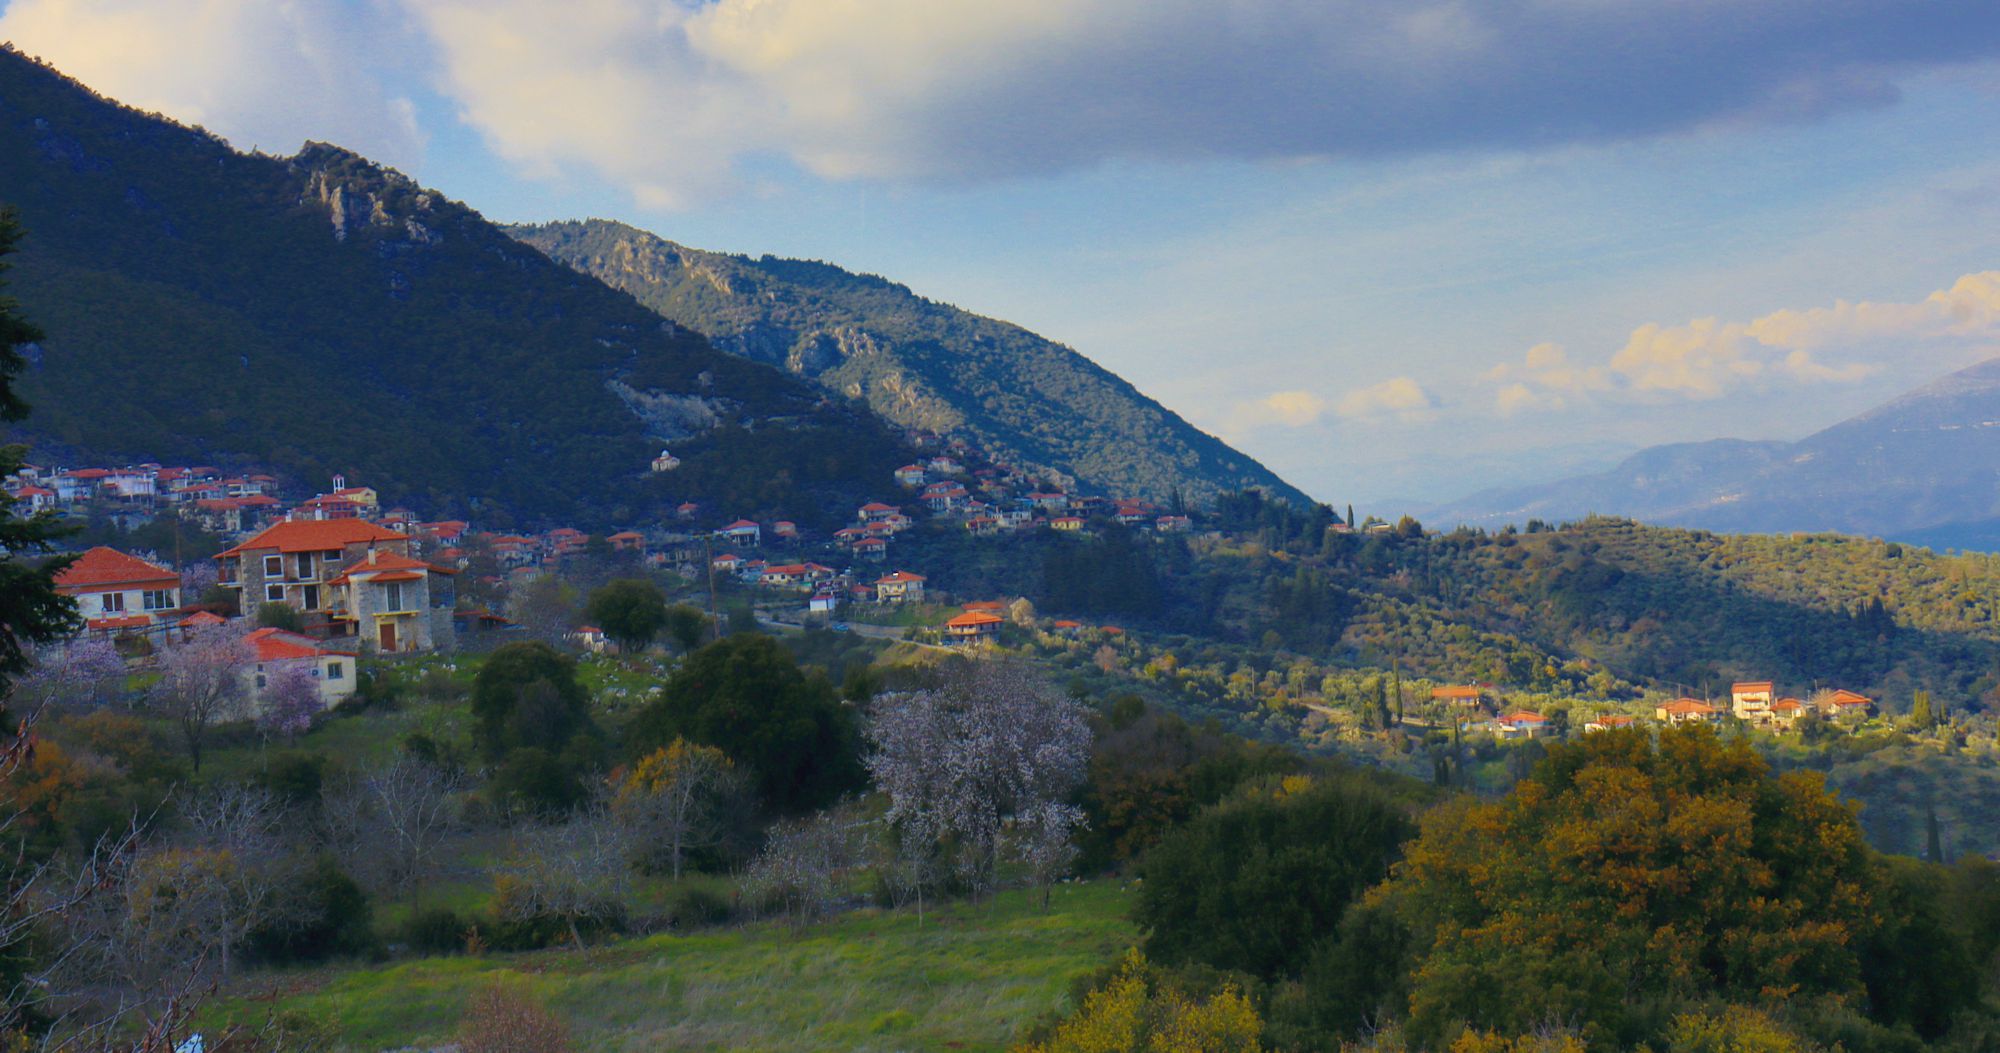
(31, 612)
(1933, 840)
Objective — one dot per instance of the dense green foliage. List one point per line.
(527, 696)
(1249, 884)
(923, 365)
(631, 611)
(747, 697)
(320, 314)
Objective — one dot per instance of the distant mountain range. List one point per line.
(1923, 467)
(920, 364)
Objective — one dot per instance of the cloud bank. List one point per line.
(1708, 358)
(669, 98)
(262, 73)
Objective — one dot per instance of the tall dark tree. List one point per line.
(631, 611)
(747, 697)
(31, 612)
(527, 695)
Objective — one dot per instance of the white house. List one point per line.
(276, 650)
(115, 592)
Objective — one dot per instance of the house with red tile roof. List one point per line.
(899, 587)
(910, 475)
(1462, 694)
(627, 541)
(275, 650)
(1685, 711)
(116, 592)
(1750, 700)
(973, 627)
(1786, 711)
(742, 532)
(393, 603)
(1610, 722)
(295, 562)
(1846, 705)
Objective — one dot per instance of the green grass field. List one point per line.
(970, 977)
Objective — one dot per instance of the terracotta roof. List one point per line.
(741, 524)
(899, 577)
(974, 618)
(626, 535)
(313, 535)
(103, 568)
(1614, 720)
(1751, 686)
(277, 645)
(201, 618)
(1458, 691)
(1524, 717)
(1786, 705)
(1687, 707)
(877, 506)
(1844, 697)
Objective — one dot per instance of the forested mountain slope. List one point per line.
(322, 314)
(1923, 466)
(920, 364)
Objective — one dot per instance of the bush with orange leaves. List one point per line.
(507, 1018)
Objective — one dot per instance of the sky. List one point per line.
(1398, 250)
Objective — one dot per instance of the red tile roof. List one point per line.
(973, 619)
(130, 621)
(277, 645)
(103, 569)
(899, 577)
(313, 535)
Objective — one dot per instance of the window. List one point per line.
(274, 567)
(334, 671)
(305, 564)
(274, 593)
(260, 681)
(310, 597)
(158, 599)
(112, 602)
(392, 596)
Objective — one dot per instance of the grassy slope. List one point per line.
(968, 978)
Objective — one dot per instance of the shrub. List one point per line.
(436, 930)
(508, 1019)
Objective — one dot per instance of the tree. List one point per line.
(31, 611)
(631, 611)
(201, 682)
(572, 872)
(686, 626)
(389, 824)
(527, 695)
(747, 697)
(86, 672)
(291, 702)
(1619, 871)
(1253, 884)
(801, 860)
(544, 606)
(284, 616)
(995, 746)
(677, 800)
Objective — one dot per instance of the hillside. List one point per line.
(1923, 467)
(921, 365)
(322, 314)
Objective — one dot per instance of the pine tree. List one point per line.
(1933, 840)
(30, 609)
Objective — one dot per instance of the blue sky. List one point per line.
(1397, 250)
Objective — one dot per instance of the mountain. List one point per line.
(321, 314)
(922, 365)
(1923, 467)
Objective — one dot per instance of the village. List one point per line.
(359, 578)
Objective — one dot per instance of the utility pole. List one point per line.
(714, 619)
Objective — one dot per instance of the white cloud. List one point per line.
(1294, 409)
(1708, 358)
(1401, 397)
(262, 73)
(672, 98)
